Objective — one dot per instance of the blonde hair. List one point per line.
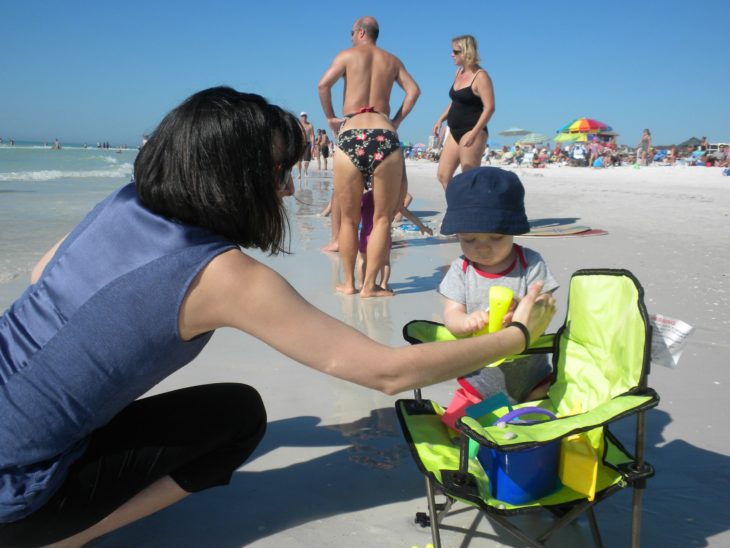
(468, 46)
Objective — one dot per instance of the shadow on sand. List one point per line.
(420, 284)
(553, 222)
(370, 467)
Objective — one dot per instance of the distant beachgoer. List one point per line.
(467, 115)
(594, 150)
(309, 137)
(642, 150)
(369, 149)
(81, 455)
(703, 144)
(578, 155)
(324, 146)
(56, 144)
(315, 149)
(673, 156)
(485, 209)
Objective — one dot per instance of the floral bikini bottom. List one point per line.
(366, 148)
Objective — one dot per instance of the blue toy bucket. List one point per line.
(519, 477)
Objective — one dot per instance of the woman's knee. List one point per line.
(241, 407)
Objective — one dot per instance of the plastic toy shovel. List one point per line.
(500, 299)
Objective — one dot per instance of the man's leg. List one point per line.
(388, 194)
(333, 210)
(348, 183)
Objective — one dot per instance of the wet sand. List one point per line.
(334, 470)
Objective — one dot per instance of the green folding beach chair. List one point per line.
(566, 464)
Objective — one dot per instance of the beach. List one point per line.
(334, 468)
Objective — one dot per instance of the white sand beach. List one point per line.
(334, 469)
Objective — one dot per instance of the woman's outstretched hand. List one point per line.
(535, 310)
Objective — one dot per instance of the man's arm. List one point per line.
(409, 85)
(330, 77)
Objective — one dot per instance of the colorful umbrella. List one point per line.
(585, 125)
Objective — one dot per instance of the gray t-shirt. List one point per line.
(466, 284)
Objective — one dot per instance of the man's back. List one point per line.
(370, 73)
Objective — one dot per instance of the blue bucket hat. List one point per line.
(485, 199)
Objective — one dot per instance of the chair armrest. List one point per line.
(420, 331)
(524, 436)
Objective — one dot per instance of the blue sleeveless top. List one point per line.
(98, 329)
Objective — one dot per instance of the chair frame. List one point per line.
(456, 484)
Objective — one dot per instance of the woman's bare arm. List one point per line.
(41, 265)
(237, 291)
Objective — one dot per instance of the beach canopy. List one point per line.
(691, 142)
(585, 125)
(515, 132)
(533, 138)
(571, 137)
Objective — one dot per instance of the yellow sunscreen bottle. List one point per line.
(500, 298)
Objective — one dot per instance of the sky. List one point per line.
(109, 71)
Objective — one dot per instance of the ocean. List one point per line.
(44, 193)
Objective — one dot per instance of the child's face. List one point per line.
(486, 249)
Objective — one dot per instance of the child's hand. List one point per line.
(426, 230)
(508, 316)
(474, 322)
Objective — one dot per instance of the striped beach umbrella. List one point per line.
(533, 138)
(584, 125)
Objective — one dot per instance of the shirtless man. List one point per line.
(324, 146)
(307, 154)
(368, 148)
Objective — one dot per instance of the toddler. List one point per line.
(485, 209)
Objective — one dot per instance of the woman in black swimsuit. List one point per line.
(471, 107)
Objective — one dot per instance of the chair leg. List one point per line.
(639, 485)
(594, 528)
(433, 514)
(636, 519)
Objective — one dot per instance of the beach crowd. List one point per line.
(137, 289)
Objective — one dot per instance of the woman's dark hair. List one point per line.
(218, 161)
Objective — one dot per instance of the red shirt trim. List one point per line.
(519, 255)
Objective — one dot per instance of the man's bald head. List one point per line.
(369, 26)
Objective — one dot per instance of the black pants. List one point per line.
(198, 436)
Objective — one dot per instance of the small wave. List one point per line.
(122, 170)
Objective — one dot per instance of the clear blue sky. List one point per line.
(91, 71)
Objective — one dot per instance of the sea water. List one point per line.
(45, 192)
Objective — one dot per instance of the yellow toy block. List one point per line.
(579, 465)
